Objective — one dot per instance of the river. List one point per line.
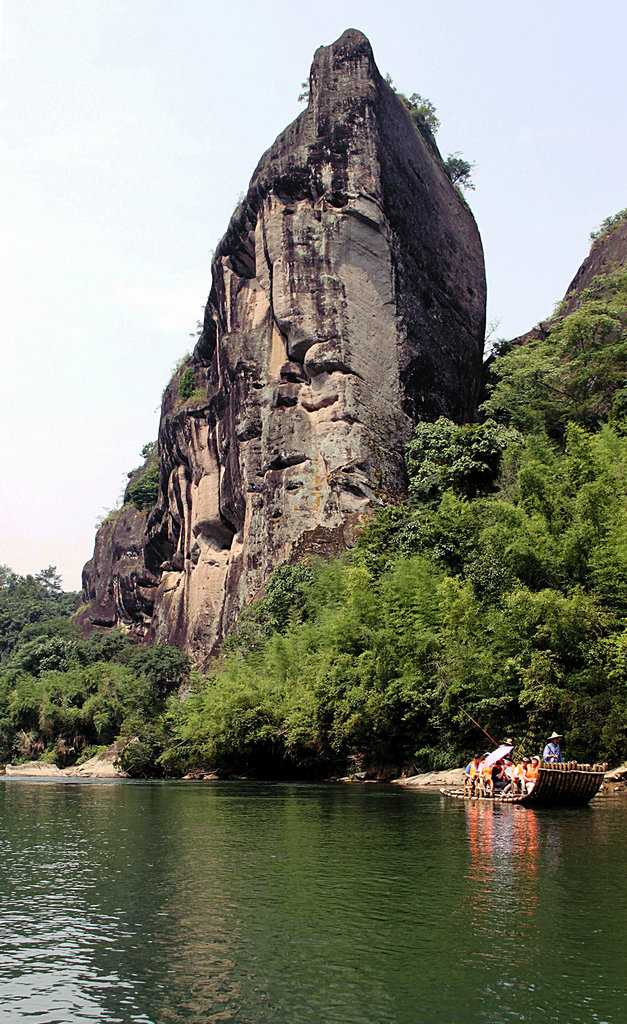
(180, 903)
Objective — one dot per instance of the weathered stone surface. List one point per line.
(609, 252)
(604, 256)
(118, 589)
(617, 774)
(100, 766)
(433, 780)
(37, 769)
(347, 302)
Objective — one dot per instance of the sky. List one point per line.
(130, 128)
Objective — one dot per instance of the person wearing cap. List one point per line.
(552, 752)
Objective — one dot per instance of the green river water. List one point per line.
(306, 904)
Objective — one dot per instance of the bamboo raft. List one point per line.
(558, 785)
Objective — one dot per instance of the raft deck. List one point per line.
(568, 785)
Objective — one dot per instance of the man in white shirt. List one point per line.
(552, 752)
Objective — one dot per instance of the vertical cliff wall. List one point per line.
(347, 302)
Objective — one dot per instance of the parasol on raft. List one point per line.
(499, 753)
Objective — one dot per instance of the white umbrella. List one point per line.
(497, 754)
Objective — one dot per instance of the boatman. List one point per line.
(552, 752)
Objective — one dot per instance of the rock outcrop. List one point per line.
(433, 780)
(100, 766)
(608, 252)
(118, 589)
(347, 302)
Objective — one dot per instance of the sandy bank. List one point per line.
(617, 774)
(37, 769)
(101, 766)
(433, 780)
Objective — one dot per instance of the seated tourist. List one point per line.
(516, 783)
(531, 775)
(502, 777)
(472, 773)
(519, 775)
(486, 773)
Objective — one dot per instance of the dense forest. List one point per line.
(497, 590)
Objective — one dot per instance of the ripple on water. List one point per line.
(165, 904)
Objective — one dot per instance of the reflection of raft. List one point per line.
(558, 785)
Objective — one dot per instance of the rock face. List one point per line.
(605, 255)
(347, 302)
(118, 589)
(608, 252)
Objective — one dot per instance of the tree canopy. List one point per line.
(498, 589)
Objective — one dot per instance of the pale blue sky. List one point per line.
(129, 127)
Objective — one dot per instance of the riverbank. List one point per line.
(101, 766)
(433, 780)
(105, 766)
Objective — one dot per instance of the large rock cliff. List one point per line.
(347, 302)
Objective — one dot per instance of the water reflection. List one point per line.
(502, 840)
(171, 904)
(530, 876)
(53, 928)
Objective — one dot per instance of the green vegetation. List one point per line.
(31, 606)
(421, 110)
(143, 490)
(459, 170)
(64, 698)
(187, 383)
(424, 116)
(576, 374)
(499, 587)
(510, 604)
(608, 225)
(187, 389)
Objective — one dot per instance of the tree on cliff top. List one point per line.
(423, 114)
(608, 225)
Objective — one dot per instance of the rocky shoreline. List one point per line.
(101, 766)
(433, 780)
(104, 766)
